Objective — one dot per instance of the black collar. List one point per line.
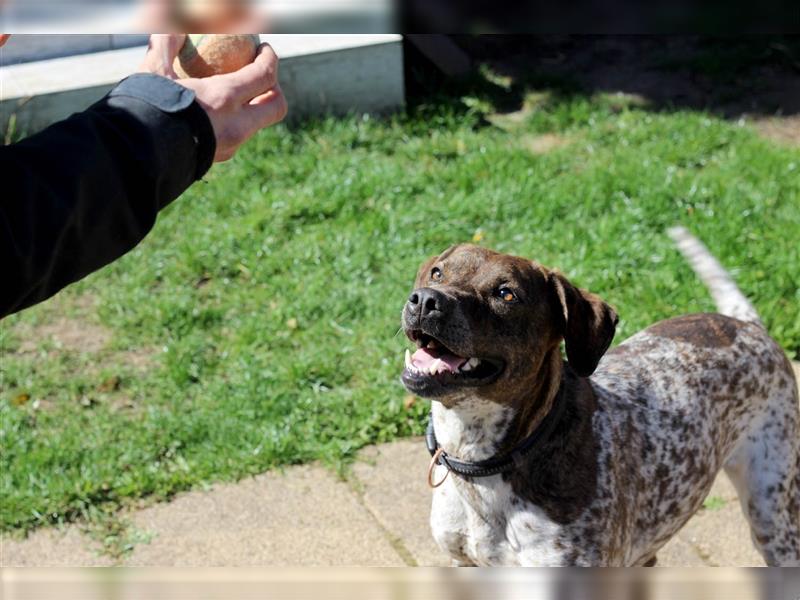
(497, 464)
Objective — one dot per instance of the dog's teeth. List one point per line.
(436, 367)
(408, 359)
(470, 364)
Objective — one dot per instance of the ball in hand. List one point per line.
(207, 54)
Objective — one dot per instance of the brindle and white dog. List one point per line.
(641, 432)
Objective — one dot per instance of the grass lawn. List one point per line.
(257, 324)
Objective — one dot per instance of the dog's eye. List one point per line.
(436, 274)
(506, 295)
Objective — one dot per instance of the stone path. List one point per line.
(306, 516)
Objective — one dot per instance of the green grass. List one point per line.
(714, 503)
(269, 296)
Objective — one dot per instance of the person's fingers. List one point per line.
(267, 96)
(256, 78)
(262, 111)
(161, 53)
(267, 109)
(169, 44)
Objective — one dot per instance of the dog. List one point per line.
(601, 458)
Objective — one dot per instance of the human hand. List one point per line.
(238, 104)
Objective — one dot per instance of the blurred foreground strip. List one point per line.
(406, 583)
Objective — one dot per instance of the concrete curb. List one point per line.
(328, 74)
(32, 47)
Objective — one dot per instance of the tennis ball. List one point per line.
(207, 54)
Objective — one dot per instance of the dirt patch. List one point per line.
(68, 323)
(72, 335)
(510, 120)
(123, 403)
(138, 359)
(784, 130)
(542, 144)
(80, 333)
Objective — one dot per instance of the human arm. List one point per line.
(86, 190)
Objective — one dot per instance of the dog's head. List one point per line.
(485, 322)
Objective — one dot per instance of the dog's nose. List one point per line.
(427, 301)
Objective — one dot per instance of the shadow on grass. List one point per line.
(730, 78)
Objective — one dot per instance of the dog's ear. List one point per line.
(586, 322)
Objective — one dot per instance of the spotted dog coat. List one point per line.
(640, 441)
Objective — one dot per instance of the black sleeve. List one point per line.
(86, 190)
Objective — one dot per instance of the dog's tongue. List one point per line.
(424, 358)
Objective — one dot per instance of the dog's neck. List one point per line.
(560, 476)
(472, 429)
(475, 429)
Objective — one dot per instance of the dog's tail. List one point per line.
(729, 299)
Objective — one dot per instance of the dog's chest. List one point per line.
(483, 521)
(486, 524)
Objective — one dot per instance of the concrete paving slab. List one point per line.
(679, 553)
(51, 548)
(392, 478)
(302, 517)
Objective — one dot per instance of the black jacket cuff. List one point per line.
(177, 101)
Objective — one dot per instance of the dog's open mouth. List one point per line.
(433, 367)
